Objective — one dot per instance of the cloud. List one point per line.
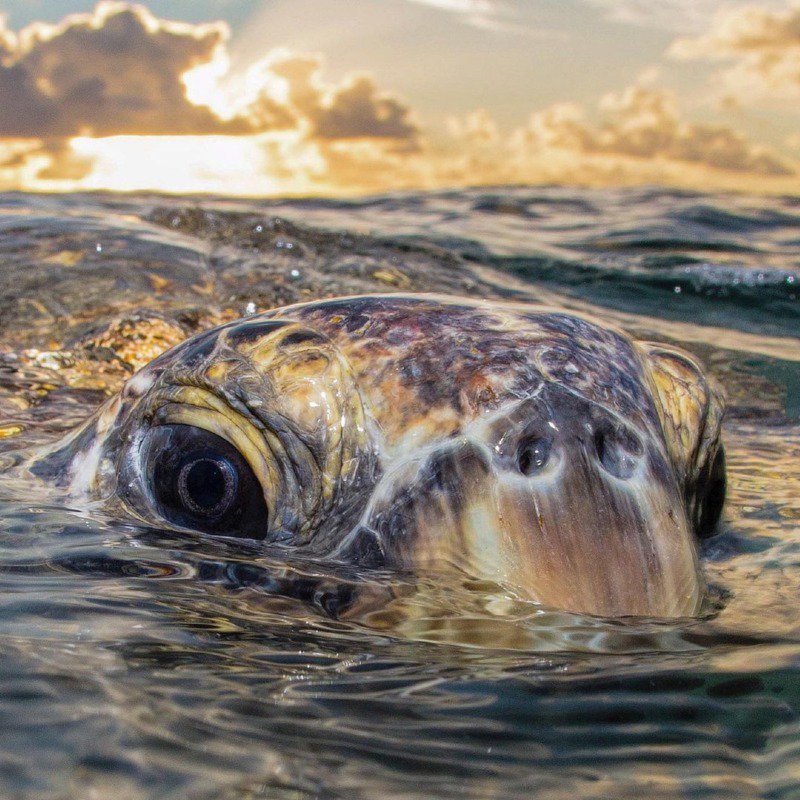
(63, 163)
(638, 138)
(498, 16)
(23, 161)
(644, 123)
(464, 7)
(6, 38)
(762, 45)
(14, 155)
(486, 14)
(120, 71)
(672, 15)
(355, 109)
(681, 16)
(116, 70)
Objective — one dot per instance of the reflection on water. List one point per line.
(138, 663)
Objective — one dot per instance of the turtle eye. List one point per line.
(199, 480)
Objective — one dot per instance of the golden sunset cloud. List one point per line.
(644, 123)
(762, 45)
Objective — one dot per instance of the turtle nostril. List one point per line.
(618, 452)
(437, 473)
(533, 454)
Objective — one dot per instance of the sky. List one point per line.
(350, 97)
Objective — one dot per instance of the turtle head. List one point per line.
(579, 483)
(253, 429)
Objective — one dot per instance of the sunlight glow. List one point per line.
(207, 164)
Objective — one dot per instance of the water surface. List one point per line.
(138, 663)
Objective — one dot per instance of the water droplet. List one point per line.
(677, 290)
(250, 308)
(98, 247)
(295, 273)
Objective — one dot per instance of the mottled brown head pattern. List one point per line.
(524, 445)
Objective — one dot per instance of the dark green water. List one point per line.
(143, 664)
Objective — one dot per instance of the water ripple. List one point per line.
(140, 663)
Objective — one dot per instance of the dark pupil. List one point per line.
(206, 485)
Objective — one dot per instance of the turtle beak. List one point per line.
(564, 504)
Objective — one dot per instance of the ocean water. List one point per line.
(138, 663)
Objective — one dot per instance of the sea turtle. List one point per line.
(540, 449)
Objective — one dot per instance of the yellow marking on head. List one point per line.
(217, 371)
